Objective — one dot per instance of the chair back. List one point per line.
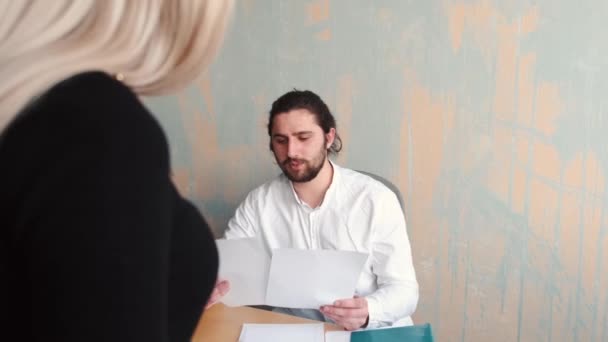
(389, 185)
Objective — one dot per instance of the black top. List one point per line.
(95, 242)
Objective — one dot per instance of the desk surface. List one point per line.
(223, 324)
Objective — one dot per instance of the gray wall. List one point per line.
(489, 115)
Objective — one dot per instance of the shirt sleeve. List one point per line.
(397, 293)
(242, 224)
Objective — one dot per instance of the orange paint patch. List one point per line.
(214, 172)
(518, 190)
(603, 280)
(507, 307)
(449, 115)
(384, 15)
(181, 179)
(573, 174)
(404, 145)
(196, 131)
(260, 103)
(498, 182)
(546, 161)
(425, 156)
(247, 6)
(548, 107)
(563, 325)
(324, 35)
(485, 21)
(522, 146)
(543, 205)
(489, 248)
(428, 151)
(503, 142)
(318, 11)
(529, 22)
(482, 13)
(533, 312)
(451, 293)
(570, 216)
(344, 111)
(584, 314)
(475, 305)
(539, 256)
(454, 297)
(525, 89)
(480, 17)
(568, 253)
(499, 174)
(456, 18)
(594, 175)
(476, 152)
(506, 62)
(592, 224)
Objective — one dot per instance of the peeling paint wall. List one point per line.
(490, 116)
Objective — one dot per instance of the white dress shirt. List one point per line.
(359, 214)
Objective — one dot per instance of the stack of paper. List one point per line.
(282, 332)
(337, 336)
(290, 278)
(314, 333)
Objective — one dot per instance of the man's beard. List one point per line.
(310, 170)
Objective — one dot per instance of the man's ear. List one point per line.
(330, 137)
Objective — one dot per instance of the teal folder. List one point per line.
(413, 333)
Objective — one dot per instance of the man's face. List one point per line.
(299, 144)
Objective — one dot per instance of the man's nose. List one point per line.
(292, 149)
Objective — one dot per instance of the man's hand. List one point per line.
(221, 288)
(351, 313)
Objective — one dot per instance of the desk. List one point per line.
(223, 324)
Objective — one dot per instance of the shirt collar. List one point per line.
(328, 194)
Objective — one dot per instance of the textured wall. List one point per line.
(489, 115)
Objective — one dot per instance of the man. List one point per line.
(316, 204)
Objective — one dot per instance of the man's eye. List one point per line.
(280, 141)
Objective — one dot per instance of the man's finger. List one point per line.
(344, 312)
(222, 287)
(356, 302)
(212, 299)
(347, 323)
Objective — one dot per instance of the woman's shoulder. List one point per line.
(91, 100)
(90, 108)
(92, 92)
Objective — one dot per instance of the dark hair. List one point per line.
(306, 99)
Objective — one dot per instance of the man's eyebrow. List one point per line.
(296, 133)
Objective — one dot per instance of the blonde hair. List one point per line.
(158, 46)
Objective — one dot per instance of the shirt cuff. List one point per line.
(374, 311)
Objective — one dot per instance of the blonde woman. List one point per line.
(95, 242)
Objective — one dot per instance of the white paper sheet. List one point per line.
(337, 336)
(282, 332)
(245, 264)
(307, 279)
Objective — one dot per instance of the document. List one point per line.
(282, 332)
(289, 278)
(337, 336)
(308, 279)
(245, 264)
